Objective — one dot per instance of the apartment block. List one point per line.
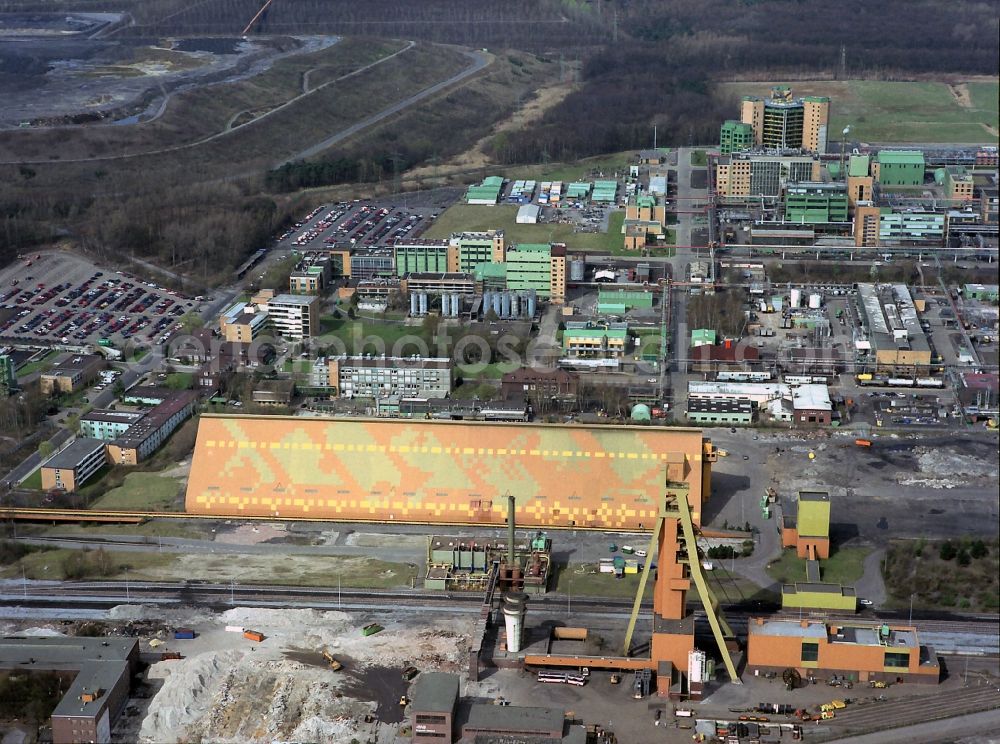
(294, 317)
(242, 323)
(381, 377)
(70, 468)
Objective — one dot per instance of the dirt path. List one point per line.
(991, 129)
(530, 112)
(960, 92)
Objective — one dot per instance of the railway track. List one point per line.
(109, 593)
(899, 712)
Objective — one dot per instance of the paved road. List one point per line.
(480, 61)
(980, 727)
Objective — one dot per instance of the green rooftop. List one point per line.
(533, 248)
(493, 181)
(857, 167)
(913, 157)
(490, 271)
(592, 332)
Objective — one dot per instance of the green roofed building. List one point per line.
(578, 190)
(487, 193)
(858, 165)
(618, 301)
(735, 136)
(900, 167)
(702, 337)
(605, 192)
(815, 203)
(493, 276)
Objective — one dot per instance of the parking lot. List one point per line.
(60, 298)
(357, 223)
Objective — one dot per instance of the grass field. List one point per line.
(504, 217)
(39, 365)
(843, 567)
(362, 336)
(33, 481)
(894, 111)
(142, 491)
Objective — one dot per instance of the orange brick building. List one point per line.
(859, 651)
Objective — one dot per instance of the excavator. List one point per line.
(335, 665)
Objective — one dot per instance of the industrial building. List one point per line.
(804, 405)
(294, 317)
(538, 266)
(101, 669)
(958, 183)
(487, 193)
(437, 284)
(71, 467)
(467, 250)
(720, 412)
(781, 122)
(860, 652)
(528, 214)
(816, 203)
(899, 168)
(421, 257)
(646, 207)
(441, 471)
(818, 595)
(755, 174)
(464, 564)
(621, 301)
(381, 376)
(896, 344)
(71, 374)
(808, 528)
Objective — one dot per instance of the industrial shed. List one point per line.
(442, 471)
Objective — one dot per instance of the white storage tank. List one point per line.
(795, 298)
(815, 301)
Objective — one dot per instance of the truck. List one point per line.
(253, 635)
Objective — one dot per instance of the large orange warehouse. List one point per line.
(603, 477)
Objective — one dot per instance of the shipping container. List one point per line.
(185, 634)
(253, 635)
(235, 628)
(371, 629)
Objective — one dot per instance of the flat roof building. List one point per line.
(783, 122)
(311, 274)
(146, 435)
(755, 174)
(102, 668)
(720, 412)
(895, 337)
(294, 317)
(858, 651)
(443, 471)
(274, 392)
(383, 377)
(71, 374)
(421, 257)
(432, 705)
(899, 168)
(242, 322)
(71, 467)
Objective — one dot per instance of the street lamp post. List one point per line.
(569, 599)
(910, 622)
(127, 595)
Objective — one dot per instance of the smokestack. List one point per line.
(514, 607)
(510, 530)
